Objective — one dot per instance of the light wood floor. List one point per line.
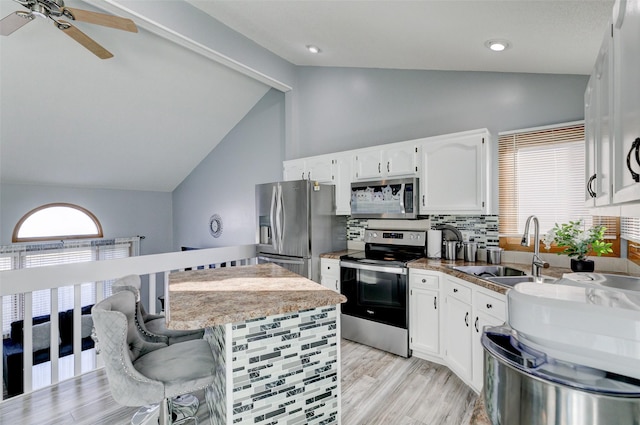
(377, 388)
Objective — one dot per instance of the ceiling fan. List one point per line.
(54, 9)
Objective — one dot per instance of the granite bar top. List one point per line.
(211, 297)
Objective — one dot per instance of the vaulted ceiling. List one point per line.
(145, 118)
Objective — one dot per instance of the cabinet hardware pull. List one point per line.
(388, 169)
(303, 175)
(424, 280)
(435, 303)
(591, 192)
(308, 175)
(476, 325)
(423, 204)
(455, 289)
(466, 319)
(635, 145)
(378, 167)
(489, 306)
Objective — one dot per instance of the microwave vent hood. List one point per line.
(392, 198)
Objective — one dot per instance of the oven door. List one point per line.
(375, 293)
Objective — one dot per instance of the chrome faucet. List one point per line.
(536, 263)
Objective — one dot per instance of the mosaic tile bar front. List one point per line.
(482, 228)
(285, 369)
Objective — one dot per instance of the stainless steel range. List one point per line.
(375, 282)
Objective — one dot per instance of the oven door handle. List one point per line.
(392, 270)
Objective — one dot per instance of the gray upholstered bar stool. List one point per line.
(142, 373)
(152, 326)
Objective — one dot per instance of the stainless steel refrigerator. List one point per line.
(296, 223)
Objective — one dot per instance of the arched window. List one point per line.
(57, 221)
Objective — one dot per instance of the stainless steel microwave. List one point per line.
(393, 198)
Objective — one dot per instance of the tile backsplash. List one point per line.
(481, 228)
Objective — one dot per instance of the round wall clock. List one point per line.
(215, 225)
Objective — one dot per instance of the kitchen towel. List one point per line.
(434, 244)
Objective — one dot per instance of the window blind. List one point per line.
(63, 252)
(630, 228)
(541, 173)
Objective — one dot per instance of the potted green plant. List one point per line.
(578, 242)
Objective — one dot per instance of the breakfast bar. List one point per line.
(275, 335)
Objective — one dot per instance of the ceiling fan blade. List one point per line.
(14, 21)
(83, 39)
(103, 19)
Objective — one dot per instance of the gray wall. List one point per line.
(347, 108)
(339, 109)
(224, 182)
(122, 213)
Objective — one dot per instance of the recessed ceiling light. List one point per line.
(313, 49)
(497, 45)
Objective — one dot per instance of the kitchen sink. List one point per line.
(512, 280)
(503, 275)
(489, 271)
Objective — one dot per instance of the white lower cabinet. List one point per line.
(424, 314)
(330, 273)
(489, 309)
(457, 341)
(446, 318)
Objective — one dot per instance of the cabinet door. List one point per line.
(368, 164)
(400, 161)
(626, 39)
(458, 337)
(330, 273)
(590, 132)
(479, 322)
(489, 309)
(342, 180)
(424, 320)
(293, 170)
(600, 186)
(319, 169)
(454, 175)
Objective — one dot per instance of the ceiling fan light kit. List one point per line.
(53, 9)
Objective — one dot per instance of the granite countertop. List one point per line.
(444, 266)
(337, 254)
(210, 297)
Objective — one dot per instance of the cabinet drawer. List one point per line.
(459, 291)
(330, 268)
(423, 281)
(492, 306)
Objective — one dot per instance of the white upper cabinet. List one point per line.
(396, 160)
(599, 128)
(455, 173)
(293, 170)
(342, 177)
(319, 169)
(326, 169)
(626, 118)
(316, 168)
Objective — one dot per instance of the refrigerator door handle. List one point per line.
(278, 219)
(283, 217)
(272, 217)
